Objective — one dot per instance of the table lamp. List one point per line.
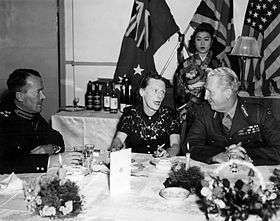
(245, 47)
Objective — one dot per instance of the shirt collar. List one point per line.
(231, 112)
(24, 114)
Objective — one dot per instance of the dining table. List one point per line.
(142, 203)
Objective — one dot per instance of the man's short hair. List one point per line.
(17, 79)
(227, 77)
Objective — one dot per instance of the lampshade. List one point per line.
(246, 47)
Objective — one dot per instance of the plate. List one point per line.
(162, 164)
(136, 167)
(174, 194)
(76, 170)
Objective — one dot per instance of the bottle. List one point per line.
(129, 99)
(126, 86)
(97, 97)
(106, 97)
(114, 102)
(89, 97)
(122, 97)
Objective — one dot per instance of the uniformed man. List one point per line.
(228, 127)
(27, 142)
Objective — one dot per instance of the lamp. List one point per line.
(245, 47)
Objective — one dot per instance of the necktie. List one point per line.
(227, 122)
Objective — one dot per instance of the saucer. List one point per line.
(174, 194)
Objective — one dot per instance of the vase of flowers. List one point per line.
(241, 199)
(50, 196)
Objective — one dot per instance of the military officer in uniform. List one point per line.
(228, 127)
(27, 142)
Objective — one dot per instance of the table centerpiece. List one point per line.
(52, 196)
(244, 198)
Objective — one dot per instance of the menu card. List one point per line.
(120, 169)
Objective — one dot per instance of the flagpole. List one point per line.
(173, 52)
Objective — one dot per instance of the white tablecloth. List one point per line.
(86, 127)
(143, 203)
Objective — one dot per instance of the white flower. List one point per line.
(205, 191)
(272, 196)
(264, 198)
(220, 203)
(38, 200)
(68, 208)
(47, 211)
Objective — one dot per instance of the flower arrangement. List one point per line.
(240, 199)
(50, 196)
(189, 178)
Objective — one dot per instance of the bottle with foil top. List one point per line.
(97, 97)
(89, 97)
(107, 97)
(122, 97)
(114, 101)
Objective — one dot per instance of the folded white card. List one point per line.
(11, 184)
(120, 169)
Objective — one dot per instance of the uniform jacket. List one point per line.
(18, 136)
(252, 124)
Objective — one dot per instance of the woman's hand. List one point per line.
(116, 144)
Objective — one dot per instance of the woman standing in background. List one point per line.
(190, 76)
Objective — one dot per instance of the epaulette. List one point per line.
(5, 113)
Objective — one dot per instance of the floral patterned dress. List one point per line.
(147, 133)
(189, 72)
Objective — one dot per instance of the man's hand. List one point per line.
(67, 158)
(236, 151)
(44, 149)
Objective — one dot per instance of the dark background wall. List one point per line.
(28, 39)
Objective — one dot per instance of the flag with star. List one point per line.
(219, 14)
(150, 26)
(262, 21)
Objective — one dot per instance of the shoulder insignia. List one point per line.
(5, 113)
(244, 110)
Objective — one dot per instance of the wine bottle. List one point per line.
(97, 97)
(106, 97)
(114, 103)
(89, 97)
(122, 98)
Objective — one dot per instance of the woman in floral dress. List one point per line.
(149, 127)
(190, 76)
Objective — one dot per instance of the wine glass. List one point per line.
(76, 101)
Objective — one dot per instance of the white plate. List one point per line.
(174, 194)
(76, 170)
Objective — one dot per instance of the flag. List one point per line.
(219, 14)
(150, 26)
(262, 21)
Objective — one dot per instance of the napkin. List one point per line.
(11, 184)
